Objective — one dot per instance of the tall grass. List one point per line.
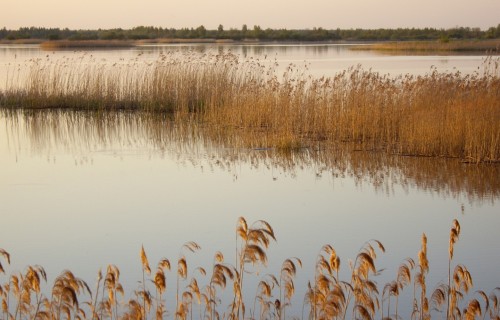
(85, 44)
(328, 296)
(438, 115)
(492, 46)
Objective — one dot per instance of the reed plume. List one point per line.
(160, 282)
(328, 296)
(365, 290)
(145, 294)
(6, 256)
(221, 272)
(420, 280)
(454, 234)
(494, 299)
(113, 287)
(474, 308)
(182, 272)
(264, 295)
(193, 292)
(135, 311)
(286, 285)
(254, 241)
(64, 298)
(395, 287)
(23, 286)
(4, 290)
(93, 305)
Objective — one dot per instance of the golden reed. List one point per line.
(484, 46)
(327, 295)
(438, 114)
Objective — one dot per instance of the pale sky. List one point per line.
(290, 14)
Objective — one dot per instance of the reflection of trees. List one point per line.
(246, 50)
(84, 132)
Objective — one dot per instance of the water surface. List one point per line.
(79, 191)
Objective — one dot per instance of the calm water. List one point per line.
(79, 191)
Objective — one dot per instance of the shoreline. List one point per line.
(455, 46)
(491, 46)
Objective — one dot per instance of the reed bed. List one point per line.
(437, 115)
(85, 44)
(329, 296)
(492, 46)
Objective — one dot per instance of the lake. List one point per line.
(80, 191)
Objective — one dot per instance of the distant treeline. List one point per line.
(315, 34)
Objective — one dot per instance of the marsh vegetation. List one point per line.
(199, 290)
(87, 44)
(247, 111)
(248, 102)
(491, 46)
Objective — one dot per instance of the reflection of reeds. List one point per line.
(329, 297)
(84, 132)
(439, 114)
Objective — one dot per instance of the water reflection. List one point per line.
(255, 49)
(138, 179)
(84, 133)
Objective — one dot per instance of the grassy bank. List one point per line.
(492, 46)
(439, 114)
(205, 296)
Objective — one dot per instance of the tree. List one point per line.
(201, 31)
(257, 31)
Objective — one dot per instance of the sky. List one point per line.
(289, 14)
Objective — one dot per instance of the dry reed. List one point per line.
(438, 115)
(85, 44)
(492, 46)
(329, 297)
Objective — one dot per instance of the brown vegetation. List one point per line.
(491, 46)
(328, 296)
(439, 114)
(85, 44)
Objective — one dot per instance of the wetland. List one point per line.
(112, 159)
